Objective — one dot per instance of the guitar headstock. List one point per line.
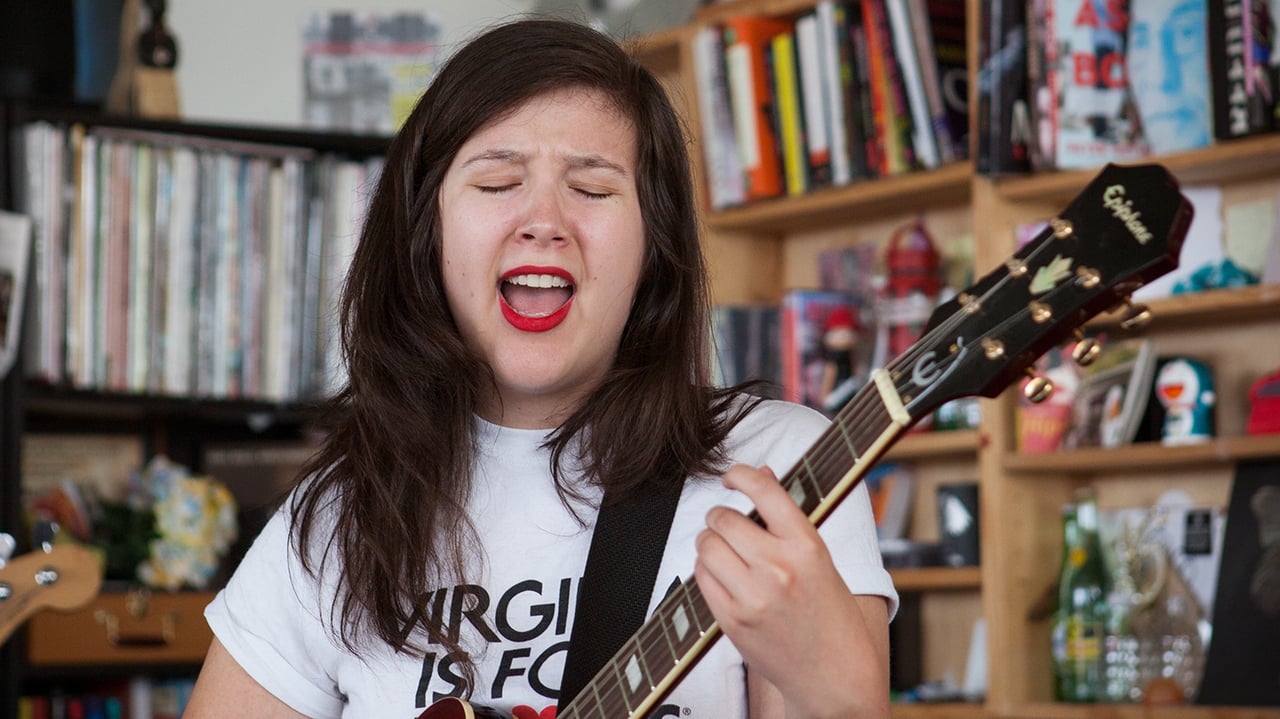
(1123, 230)
(64, 577)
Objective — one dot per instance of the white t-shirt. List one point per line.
(516, 613)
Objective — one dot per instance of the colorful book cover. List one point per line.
(1095, 119)
(1168, 64)
(1241, 33)
(818, 362)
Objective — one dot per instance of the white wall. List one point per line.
(241, 60)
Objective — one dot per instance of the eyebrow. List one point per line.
(586, 162)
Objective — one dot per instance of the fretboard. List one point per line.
(682, 628)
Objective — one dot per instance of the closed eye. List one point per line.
(593, 195)
(495, 189)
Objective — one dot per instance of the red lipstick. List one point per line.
(536, 323)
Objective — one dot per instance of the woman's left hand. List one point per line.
(777, 595)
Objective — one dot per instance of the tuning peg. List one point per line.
(1136, 316)
(44, 533)
(1086, 349)
(1037, 388)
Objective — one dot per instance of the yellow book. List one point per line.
(790, 121)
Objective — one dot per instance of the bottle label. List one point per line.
(1076, 557)
(1084, 639)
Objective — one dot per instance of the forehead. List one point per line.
(585, 119)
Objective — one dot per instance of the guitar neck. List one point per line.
(682, 628)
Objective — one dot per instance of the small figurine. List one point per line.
(839, 377)
(1185, 388)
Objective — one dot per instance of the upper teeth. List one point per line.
(538, 280)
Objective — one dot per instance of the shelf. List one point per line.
(937, 445)
(1147, 456)
(932, 579)
(45, 401)
(864, 199)
(1211, 307)
(360, 145)
(1050, 710)
(1225, 162)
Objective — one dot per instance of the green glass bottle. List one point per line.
(1080, 623)
(1058, 637)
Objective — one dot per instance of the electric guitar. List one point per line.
(64, 577)
(1125, 229)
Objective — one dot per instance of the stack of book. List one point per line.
(846, 90)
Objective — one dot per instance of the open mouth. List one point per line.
(536, 295)
(535, 301)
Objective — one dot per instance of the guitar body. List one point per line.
(458, 709)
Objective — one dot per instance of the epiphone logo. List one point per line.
(929, 369)
(1122, 208)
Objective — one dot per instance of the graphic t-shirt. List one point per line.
(515, 613)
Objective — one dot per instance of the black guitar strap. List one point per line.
(613, 598)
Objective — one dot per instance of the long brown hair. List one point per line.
(398, 459)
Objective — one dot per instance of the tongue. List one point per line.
(533, 301)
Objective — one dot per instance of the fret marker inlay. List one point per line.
(797, 493)
(681, 623)
(634, 675)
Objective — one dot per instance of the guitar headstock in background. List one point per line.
(56, 576)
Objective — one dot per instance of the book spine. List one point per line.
(1239, 51)
(930, 81)
(1002, 114)
(863, 93)
(836, 73)
(790, 121)
(895, 113)
(1042, 84)
(725, 183)
(878, 89)
(747, 42)
(814, 67)
(903, 43)
(949, 40)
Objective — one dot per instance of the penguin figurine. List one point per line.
(1185, 388)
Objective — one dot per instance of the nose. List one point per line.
(544, 219)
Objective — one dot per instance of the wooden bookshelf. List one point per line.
(931, 579)
(906, 193)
